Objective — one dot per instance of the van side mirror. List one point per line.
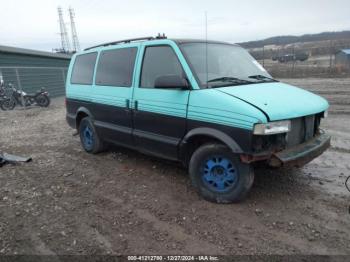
(171, 82)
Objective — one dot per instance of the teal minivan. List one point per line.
(206, 104)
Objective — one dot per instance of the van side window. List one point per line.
(116, 67)
(159, 61)
(83, 69)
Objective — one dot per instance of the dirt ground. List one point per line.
(121, 202)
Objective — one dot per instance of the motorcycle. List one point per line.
(2, 88)
(17, 97)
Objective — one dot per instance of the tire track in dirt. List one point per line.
(93, 233)
(192, 244)
(42, 248)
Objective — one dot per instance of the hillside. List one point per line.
(290, 39)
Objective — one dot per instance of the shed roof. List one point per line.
(17, 50)
(346, 51)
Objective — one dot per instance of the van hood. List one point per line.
(278, 100)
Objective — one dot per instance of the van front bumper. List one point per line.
(301, 154)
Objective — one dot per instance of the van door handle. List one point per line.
(127, 103)
(136, 105)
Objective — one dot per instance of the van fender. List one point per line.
(83, 109)
(80, 110)
(211, 132)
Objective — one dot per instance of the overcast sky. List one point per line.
(34, 24)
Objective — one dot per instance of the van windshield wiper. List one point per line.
(228, 79)
(263, 78)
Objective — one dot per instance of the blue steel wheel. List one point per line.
(89, 137)
(219, 175)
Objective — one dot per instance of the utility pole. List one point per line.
(76, 45)
(294, 60)
(330, 54)
(264, 55)
(65, 45)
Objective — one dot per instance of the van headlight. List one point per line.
(271, 128)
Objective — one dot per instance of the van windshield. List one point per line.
(216, 65)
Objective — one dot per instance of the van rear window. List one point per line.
(116, 67)
(83, 69)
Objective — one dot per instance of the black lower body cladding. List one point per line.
(158, 134)
(171, 137)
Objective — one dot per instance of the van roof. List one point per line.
(188, 40)
(159, 37)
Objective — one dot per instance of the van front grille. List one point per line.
(302, 129)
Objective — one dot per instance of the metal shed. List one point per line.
(31, 69)
(342, 58)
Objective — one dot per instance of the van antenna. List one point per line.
(206, 47)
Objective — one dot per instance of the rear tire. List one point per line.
(219, 175)
(89, 138)
(43, 100)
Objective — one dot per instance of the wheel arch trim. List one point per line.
(211, 132)
(84, 110)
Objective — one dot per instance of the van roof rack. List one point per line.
(159, 36)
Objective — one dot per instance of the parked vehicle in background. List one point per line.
(302, 56)
(206, 104)
(291, 57)
(13, 97)
(274, 58)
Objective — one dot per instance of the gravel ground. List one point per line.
(121, 202)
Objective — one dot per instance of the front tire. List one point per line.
(219, 175)
(7, 104)
(89, 138)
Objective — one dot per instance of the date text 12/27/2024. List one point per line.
(173, 258)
